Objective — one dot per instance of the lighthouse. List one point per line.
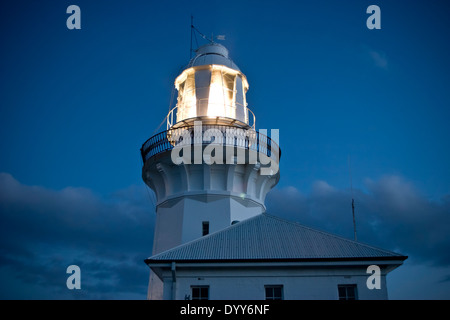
(210, 168)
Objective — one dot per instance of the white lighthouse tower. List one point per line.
(210, 168)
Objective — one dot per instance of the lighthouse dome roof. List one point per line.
(212, 53)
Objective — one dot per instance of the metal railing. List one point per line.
(248, 139)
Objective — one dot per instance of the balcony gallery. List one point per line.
(217, 144)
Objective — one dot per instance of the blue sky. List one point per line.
(76, 106)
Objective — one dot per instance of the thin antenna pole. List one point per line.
(192, 27)
(354, 222)
(353, 199)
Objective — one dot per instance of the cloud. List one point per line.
(43, 231)
(407, 218)
(379, 59)
(391, 214)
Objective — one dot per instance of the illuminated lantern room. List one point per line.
(211, 89)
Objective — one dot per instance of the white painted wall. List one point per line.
(318, 283)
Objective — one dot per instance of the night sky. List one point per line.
(76, 106)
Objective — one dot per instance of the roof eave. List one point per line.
(392, 260)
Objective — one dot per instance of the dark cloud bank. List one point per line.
(391, 214)
(44, 231)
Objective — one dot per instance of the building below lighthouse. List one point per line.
(211, 171)
(265, 257)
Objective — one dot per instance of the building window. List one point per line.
(274, 292)
(205, 228)
(200, 292)
(347, 292)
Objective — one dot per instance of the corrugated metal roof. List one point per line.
(266, 237)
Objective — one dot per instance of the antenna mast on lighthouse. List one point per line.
(194, 30)
(353, 199)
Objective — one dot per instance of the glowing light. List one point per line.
(187, 101)
(216, 99)
(211, 91)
